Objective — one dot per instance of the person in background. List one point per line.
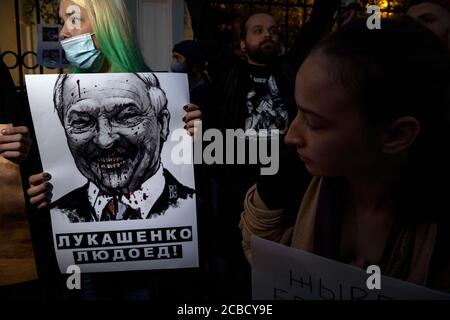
(434, 15)
(16, 249)
(250, 91)
(188, 57)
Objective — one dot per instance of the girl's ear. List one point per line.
(400, 135)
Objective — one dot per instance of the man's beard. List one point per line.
(264, 54)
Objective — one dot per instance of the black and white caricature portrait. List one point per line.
(105, 139)
(115, 130)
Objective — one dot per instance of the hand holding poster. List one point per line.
(284, 273)
(119, 201)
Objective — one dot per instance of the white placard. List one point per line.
(113, 129)
(284, 273)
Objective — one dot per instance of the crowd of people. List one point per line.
(363, 117)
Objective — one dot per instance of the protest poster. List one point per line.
(119, 201)
(284, 273)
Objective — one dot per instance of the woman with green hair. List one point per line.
(97, 36)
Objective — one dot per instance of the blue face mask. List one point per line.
(178, 68)
(81, 52)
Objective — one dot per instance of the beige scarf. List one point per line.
(407, 255)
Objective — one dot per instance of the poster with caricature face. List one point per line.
(120, 202)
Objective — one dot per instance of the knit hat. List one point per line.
(443, 3)
(191, 51)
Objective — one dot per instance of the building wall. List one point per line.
(160, 22)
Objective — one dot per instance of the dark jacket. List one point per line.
(229, 72)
